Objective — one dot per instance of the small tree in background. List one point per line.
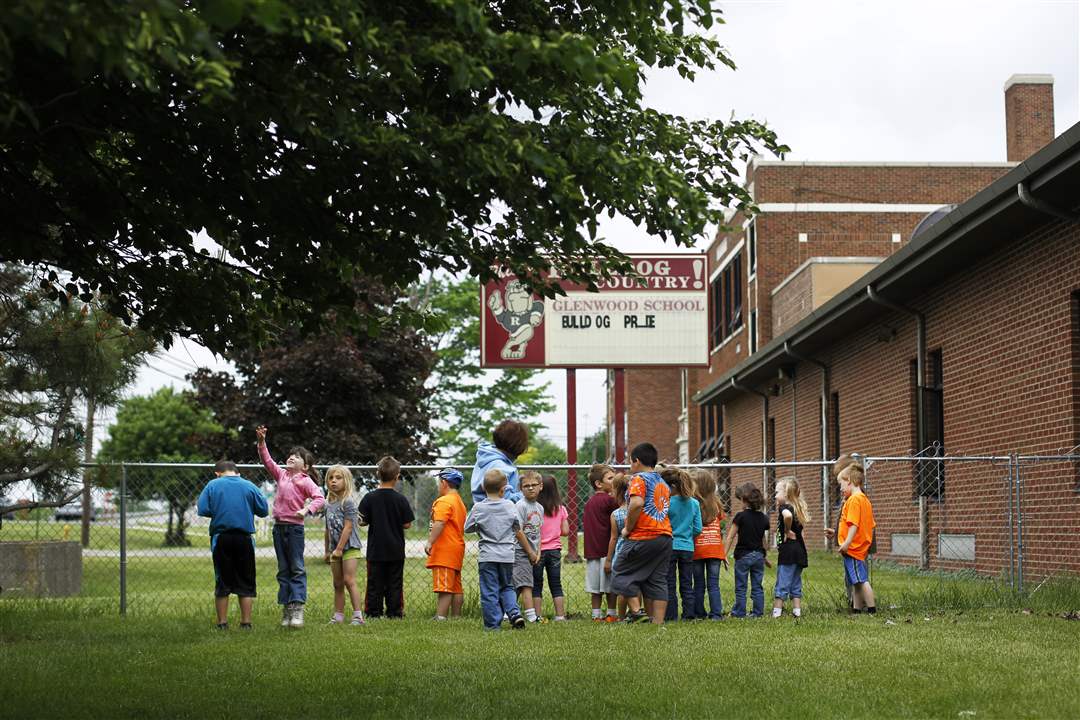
(165, 427)
(54, 354)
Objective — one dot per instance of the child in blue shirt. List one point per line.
(231, 503)
(685, 515)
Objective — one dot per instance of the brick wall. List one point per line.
(923, 184)
(1029, 118)
(1008, 332)
(793, 302)
(652, 404)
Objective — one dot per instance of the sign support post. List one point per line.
(571, 459)
(620, 413)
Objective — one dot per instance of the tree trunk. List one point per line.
(88, 455)
(177, 536)
(168, 528)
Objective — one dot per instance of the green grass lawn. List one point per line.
(941, 646)
(60, 663)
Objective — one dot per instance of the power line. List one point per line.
(166, 374)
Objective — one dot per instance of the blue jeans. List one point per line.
(291, 576)
(752, 564)
(788, 582)
(497, 594)
(681, 566)
(552, 560)
(707, 576)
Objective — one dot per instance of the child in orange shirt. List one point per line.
(854, 534)
(445, 547)
(709, 550)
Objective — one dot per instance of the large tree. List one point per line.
(54, 356)
(164, 427)
(315, 140)
(466, 401)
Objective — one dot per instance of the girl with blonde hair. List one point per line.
(709, 552)
(343, 541)
(791, 517)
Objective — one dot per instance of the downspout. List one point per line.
(788, 350)
(920, 417)
(1042, 206)
(764, 428)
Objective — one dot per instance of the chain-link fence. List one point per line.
(949, 529)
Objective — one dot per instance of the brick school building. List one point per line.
(818, 305)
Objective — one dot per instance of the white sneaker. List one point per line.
(286, 615)
(297, 620)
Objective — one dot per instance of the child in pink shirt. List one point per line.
(297, 495)
(554, 529)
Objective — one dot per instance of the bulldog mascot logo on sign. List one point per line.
(518, 316)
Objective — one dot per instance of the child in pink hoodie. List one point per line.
(297, 495)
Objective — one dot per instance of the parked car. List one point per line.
(74, 511)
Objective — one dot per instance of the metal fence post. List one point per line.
(1020, 526)
(1012, 535)
(123, 540)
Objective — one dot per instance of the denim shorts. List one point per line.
(788, 582)
(855, 572)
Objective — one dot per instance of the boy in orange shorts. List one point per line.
(854, 534)
(445, 547)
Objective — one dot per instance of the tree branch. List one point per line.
(41, 469)
(4, 510)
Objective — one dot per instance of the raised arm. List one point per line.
(275, 470)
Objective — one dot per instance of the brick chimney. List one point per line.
(1029, 115)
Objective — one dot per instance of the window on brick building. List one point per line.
(712, 430)
(736, 294)
(716, 311)
(929, 475)
(726, 302)
(753, 331)
(751, 247)
(726, 275)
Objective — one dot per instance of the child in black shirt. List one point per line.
(387, 515)
(791, 518)
(752, 527)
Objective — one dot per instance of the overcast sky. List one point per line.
(888, 81)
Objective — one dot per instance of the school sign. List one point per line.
(659, 318)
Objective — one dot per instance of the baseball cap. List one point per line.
(452, 476)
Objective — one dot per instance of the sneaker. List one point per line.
(286, 615)
(245, 626)
(639, 616)
(542, 620)
(610, 619)
(297, 619)
(336, 621)
(222, 626)
(518, 622)
(357, 620)
(598, 620)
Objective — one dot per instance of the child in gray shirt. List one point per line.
(496, 520)
(531, 514)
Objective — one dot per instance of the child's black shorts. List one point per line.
(234, 565)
